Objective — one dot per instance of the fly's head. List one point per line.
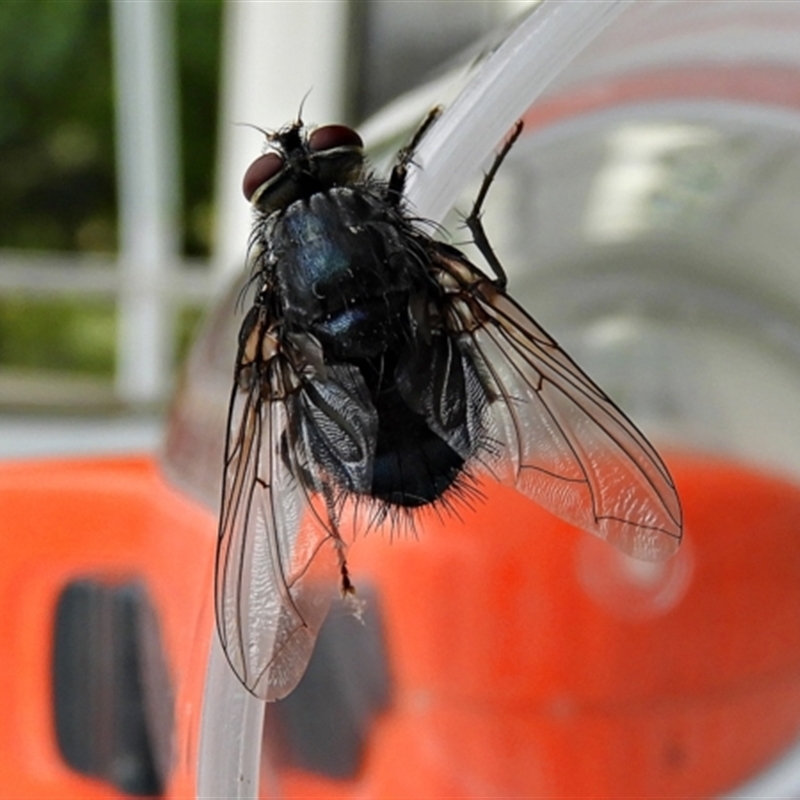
(302, 162)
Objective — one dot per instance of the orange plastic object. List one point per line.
(67, 519)
(532, 660)
(528, 659)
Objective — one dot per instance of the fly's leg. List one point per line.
(397, 180)
(355, 605)
(344, 573)
(474, 219)
(345, 584)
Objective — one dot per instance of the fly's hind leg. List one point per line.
(397, 180)
(473, 221)
(345, 584)
(350, 600)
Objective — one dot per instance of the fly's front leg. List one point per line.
(397, 180)
(474, 219)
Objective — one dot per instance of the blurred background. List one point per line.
(647, 218)
(122, 147)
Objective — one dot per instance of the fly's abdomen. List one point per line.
(413, 465)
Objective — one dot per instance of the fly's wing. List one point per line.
(277, 564)
(337, 426)
(550, 430)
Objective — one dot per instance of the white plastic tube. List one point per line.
(505, 86)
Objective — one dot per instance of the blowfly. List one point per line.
(379, 369)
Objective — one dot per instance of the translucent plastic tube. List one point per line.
(505, 86)
(230, 742)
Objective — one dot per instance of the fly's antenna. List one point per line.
(302, 103)
(268, 135)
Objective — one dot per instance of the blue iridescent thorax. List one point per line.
(321, 257)
(344, 271)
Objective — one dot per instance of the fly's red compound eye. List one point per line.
(260, 171)
(330, 136)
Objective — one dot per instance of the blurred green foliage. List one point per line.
(56, 126)
(57, 162)
(70, 334)
(198, 27)
(57, 188)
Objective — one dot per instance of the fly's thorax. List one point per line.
(346, 268)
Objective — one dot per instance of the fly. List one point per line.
(379, 365)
